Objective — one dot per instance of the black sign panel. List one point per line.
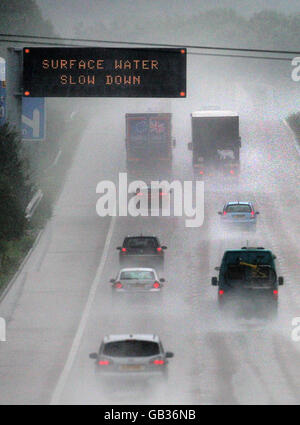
(104, 72)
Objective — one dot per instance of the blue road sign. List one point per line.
(33, 118)
(2, 102)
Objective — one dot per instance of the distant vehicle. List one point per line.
(149, 144)
(137, 355)
(132, 280)
(144, 250)
(248, 272)
(154, 197)
(238, 213)
(215, 142)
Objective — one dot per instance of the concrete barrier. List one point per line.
(33, 204)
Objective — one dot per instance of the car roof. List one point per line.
(244, 248)
(124, 337)
(140, 236)
(239, 203)
(142, 269)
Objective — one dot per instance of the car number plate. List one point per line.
(132, 367)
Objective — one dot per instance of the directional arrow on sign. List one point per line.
(33, 118)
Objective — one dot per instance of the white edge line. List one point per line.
(83, 322)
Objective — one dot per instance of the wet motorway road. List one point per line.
(61, 306)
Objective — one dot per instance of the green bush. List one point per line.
(16, 234)
(14, 187)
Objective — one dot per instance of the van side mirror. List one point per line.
(162, 279)
(164, 247)
(257, 212)
(220, 212)
(280, 280)
(119, 248)
(112, 280)
(169, 354)
(93, 356)
(218, 268)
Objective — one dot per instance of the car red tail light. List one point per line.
(158, 362)
(124, 250)
(231, 171)
(221, 292)
(156, 285)
(201, 172)
(252, 213)
(275, 293)
(118, 285)
(224, 212)
(159, 249)
(103, 362)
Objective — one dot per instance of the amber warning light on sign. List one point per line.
(104, 72)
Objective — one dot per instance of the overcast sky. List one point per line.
(64, 14)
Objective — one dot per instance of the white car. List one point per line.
(135, 355)
(137, 279)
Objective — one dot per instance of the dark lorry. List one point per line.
(215, 141)
(149, 144)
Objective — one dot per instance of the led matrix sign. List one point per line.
(104, 72)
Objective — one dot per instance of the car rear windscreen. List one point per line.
(137, 275)
(140, 243)
(238, 208)
(131, 348)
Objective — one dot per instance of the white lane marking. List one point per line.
(83, 322)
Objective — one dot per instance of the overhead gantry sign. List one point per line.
(104, 72)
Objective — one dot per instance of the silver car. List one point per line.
(137, 355)
(242, 213)
(137, 279)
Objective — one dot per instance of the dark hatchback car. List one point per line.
(248, 274)
(132, 355)
(141, 250)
